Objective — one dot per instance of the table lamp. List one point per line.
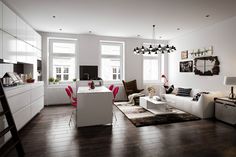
(230, 81)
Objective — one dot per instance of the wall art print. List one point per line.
(184, 54)
(186, 66)
(207, 66)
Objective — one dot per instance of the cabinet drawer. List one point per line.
(37, 93)
(22, 117)
(19, 101)
(37, 106)
(225, 112)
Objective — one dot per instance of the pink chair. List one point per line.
(115, 92)
(72, 93)
(111, 87)
(70, 88)
(72, 101)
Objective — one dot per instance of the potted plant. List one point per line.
(56, 81)
(51, 80)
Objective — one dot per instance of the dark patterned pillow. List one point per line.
(184, 91)
(170, 89)
(198, 95)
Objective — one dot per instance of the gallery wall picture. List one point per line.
(186, 66)
(207, 66)
(184, 54)
(204, 52)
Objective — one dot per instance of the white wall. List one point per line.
(5, 68)
(222, 36)
(89, 54)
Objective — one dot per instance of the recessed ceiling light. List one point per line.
(90, 32)
(207, 15)
(178, 29)
(138, 35)
(54, 16)
(60, 29)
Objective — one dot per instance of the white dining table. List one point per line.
(94, 106)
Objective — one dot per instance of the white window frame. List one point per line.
(52, 55)
(121, 57)
(157, 57)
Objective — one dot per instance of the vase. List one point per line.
(151, 95)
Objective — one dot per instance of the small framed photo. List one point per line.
(184, 54)
(186, 66)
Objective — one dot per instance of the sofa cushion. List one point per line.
(170, 89)
(198, 95)
(183, 91)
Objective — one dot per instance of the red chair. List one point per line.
(72, 93)
(70, 88)
(115, 92)
(72, 101)
(111, 87)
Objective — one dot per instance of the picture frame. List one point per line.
(184, 54)
(186, 66)
(207, 66)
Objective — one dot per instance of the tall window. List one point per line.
(111, 61)
(62, 59)
(151, 68)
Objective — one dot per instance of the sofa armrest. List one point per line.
(206, 104)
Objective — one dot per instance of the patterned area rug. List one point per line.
(140, 116)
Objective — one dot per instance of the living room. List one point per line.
(118, 78)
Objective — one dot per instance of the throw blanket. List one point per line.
(132, 96)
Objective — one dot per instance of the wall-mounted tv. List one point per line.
(88, 72)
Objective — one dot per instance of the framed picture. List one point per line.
(184, 54)
(207, 66)
(186, 66)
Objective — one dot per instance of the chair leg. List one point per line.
(71, 117)
(114, 115)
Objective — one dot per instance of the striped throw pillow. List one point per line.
(183, 91)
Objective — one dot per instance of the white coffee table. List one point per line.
(153, 105)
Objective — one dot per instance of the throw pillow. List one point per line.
(198, 95)
(170, 89)
(184, 91)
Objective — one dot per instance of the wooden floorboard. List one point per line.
(49, 135)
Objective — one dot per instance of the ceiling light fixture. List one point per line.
(54, 16)
(154, 48)
(60, 29)
(207, 15)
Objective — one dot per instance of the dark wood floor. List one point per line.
(49, 135)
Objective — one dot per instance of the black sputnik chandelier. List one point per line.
(154, 48)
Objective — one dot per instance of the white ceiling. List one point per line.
(123, 18)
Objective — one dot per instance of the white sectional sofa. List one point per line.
(203, 108)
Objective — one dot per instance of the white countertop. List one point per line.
(23, 85)
(86, 89)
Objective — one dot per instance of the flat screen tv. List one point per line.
(88, 72)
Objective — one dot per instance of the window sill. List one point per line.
(112, 82)
(60, 85)
(153, 83)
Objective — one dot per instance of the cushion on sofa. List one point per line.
(198, 95)
(170, 89)
(183, 91)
